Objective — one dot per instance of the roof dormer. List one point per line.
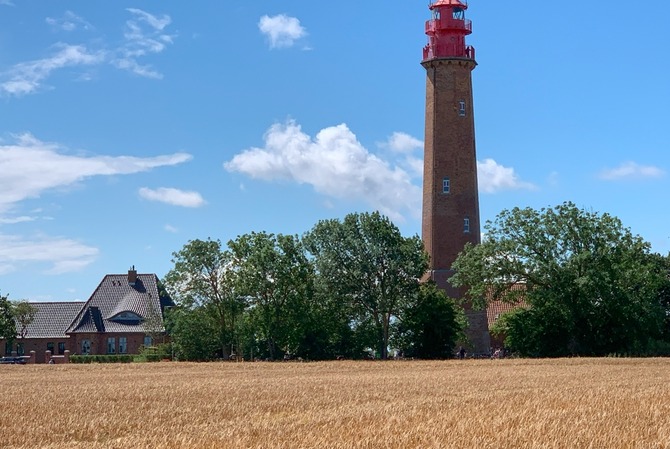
(127, 317)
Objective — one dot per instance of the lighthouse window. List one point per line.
(466, 225)
(446, 185)
(461, 108)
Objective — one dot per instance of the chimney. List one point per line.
(132, 275)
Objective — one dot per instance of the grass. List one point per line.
(568, 403)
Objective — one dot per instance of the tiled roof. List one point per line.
(116, 295)
(90, 320)
(494, 309)
(52, 319)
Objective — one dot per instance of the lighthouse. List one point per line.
(450, 197)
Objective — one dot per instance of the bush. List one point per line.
(155, 353)
(111, 358)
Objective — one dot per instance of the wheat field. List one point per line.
(567, 403)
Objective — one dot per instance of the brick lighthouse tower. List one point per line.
(450, 197)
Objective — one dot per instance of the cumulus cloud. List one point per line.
(29, 167)
(335, 164)
(6, 2)
(27, 77)
(281, 30)
(172, 196)
(69, 22)
(62, 254)
(494, 177)
(404, 144)
(145, 34)
(631, 170)
(400, 142)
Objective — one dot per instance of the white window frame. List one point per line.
(446, 185)
(86, 346)
(466, 225)
(148, 341)
(461, 108)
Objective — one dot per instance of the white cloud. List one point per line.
(335, 164)
(629, 170)
(493, 177)
(64, 255)
(172, 196)
(157, 23)
(27, 77)
(170, 228)
(415, 166)
(402, 143)
(6, 2)
(144, 35)
(30, 167)
(69, 22)
(281, 30)
(15, 220)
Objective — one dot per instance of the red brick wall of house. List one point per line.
(39, 345)
(74, 344)
(99, 342)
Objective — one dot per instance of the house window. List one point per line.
(127, 318)
(86, 347)
(466, 225)
(446, 185)
(461, 108)
(147, 341)
(123, 345)
(61, 347)
(8, 348)
(50, 346)
(111, 345)
(19, 349)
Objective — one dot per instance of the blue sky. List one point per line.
(127, 129)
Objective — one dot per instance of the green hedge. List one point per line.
(112, 358)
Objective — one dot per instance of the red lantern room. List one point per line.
(447, 30)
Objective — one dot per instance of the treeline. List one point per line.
(347, 289)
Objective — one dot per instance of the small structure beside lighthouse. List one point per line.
(450, 197)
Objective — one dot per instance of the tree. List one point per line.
(204, 277)
(194, 333)
(370, 267)
(154, 325)
(24, 315)
(663, 265)
(431, 325)
(592, 287)
(273, 273)
(7, 323)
